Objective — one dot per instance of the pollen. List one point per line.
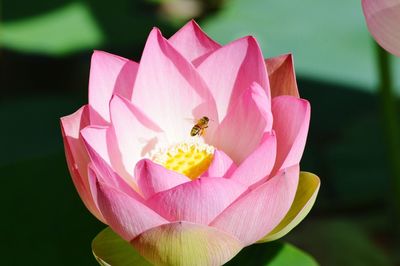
(189, 158)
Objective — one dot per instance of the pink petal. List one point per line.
(77, 157)
(135, 134)
(304, 199)
(153, 178)
(105, 174)
(92, 177)
(185, 243)
(259, 163)
(169, 90)
(383, 20)
(242, 129)
(291, 121)
(108, 177)
(101, 141)
(127, 216)
(220, 166)
(95, 138)
(198, 201)
(282, 77)
(109, 74)
(192, 42)
(231, 69)
(254, 215)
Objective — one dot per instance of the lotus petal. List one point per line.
(291, 122)
(135, 134)
(258, 164)
(252, 113)
(231, 70)
(258, 212)
(169, 90)
(282, 77)
(221, 165)
(192, 42)
(306, 195)
(184, 243)
(101, 141)
(383, 20)
(77, 157)
(198, 201)
(124, 214)
(153, 178)
(109, 74)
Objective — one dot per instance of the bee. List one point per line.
(200, 127)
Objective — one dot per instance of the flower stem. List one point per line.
(391, 127)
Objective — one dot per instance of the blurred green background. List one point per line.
(45, 50)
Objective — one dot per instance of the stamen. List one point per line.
(191, 158)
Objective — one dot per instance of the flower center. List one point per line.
(190, 158)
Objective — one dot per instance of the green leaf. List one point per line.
(68, 29)
(272, 254)
(329, 39)
(110, 249)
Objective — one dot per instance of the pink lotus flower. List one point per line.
(183, 200)
(383, 21)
